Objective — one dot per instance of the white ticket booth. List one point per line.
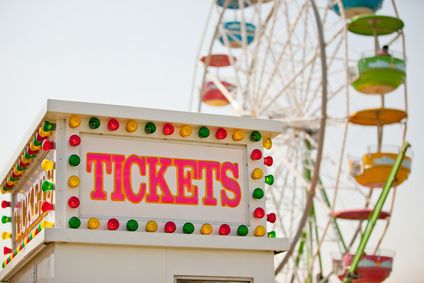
(103, 193)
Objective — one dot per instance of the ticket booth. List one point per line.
(102, 193)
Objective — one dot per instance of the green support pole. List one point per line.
(376, 213)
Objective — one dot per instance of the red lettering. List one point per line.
(157, 180)
(209, 167)
(184, 178)
(97, 160)
(230, 185)
(129, 192)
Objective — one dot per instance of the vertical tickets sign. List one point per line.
(158, 179)
(28, 208)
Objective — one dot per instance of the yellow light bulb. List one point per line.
(33, 147)
(131, 126)
(260, 231)
(151, 226)
(47, 165)
(93, 223)
(257, 173)
(74, 122)
(238, 135)
(47, 224)
(73, 181)
(24, 160)
(267, 143)
(6, 235)
(206, 229)
(185, 131)
(17, 172)
(43, 133)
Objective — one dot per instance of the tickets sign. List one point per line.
(163, 179)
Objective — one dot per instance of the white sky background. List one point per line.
(142, 53)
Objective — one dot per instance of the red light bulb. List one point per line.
(168, 129)
(7, 250)
(47, 206)
(31, 152)
(170, 227)
(268, 161)
(256, 154)
(5, 204)
(224, 229)
(39, 138)
(74, 140)
(73, 202)
(22, 165)
(13, 176)
(259, 212)
(221, 134)
(112, 224)
(48, 145)
(113, 125)
(271, 217)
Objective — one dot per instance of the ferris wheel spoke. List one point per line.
(386, 226)
(278, 61)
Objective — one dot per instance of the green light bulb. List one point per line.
(150, 128)
(49, 126)
(5, 219)
(132, 225)
(27, 155)
(94, 123)
(74, 160)
(242, 230)
(74, 222)
(258, 193)
(7, 189)
(269, 179)
(36, 142)
(255, 136)
(272, 234)
(47, 186)
(204, 132)
(188, 228)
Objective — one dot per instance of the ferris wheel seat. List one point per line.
(374, 169)
(377, 117)
(357, 214)
(213, 96)
(371, 268)
(235, 35)
(380, 74)
(233, 4)
(372, 25)
(357, 7)
(218, 60)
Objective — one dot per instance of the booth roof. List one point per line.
(60, 109)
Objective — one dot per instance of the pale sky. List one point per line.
(142, 53)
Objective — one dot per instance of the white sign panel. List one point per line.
(163, 179)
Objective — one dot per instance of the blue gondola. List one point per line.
(233, 4)
(233, 34)
(357, 7)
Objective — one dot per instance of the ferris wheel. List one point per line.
(334, 74)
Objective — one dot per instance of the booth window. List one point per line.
(181, 279)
